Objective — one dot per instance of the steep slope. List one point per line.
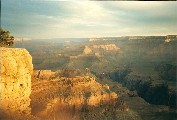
(76, 98)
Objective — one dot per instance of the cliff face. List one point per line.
(87, 50)
(108, 47)
(96, 49)
(147, 88)
(15, 82)
(43, 74)
(64, 91)
(77, 90)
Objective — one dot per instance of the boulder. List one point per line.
(15, 83)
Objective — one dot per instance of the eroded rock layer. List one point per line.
(76, 91)
(15, 81)
(108, 47)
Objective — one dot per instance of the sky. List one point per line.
(45, 19)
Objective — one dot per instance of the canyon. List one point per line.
(146, 87)
(28, 94)
(75, 80)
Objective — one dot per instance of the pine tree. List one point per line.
(5, 38)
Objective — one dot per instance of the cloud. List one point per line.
(51, 19)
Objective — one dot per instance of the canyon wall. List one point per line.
(96, 49)
(108, 47)
(15, 82)
(153, 91)
(43, 74)
(87, 50)
(75, 92)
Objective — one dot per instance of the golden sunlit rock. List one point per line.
(109, 47)
(167, 40)
(15, 83)
(87, 50)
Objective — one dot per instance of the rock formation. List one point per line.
(95, 49)
(147, 88)
(15, 83)
(108, 47)
(87, 50)
(43, 74)
(64, 91)
(78, 89)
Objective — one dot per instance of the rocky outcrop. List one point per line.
(43, 74)
(15, 83)
(96, 99)
(95, 49)
(87, 50)
(64, 91)
(80, 88)
(108, 47)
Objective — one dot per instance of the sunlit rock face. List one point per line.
(85, 90)
(95, 49)
(108, 47)
(94, 99)
(75, 91)
(87, 50)
(43, 74)
(15, 83)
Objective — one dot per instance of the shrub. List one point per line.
(5, 38)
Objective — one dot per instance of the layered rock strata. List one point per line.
(43, 74)
(87, 50)
(15, 81)
(76, 91)
(108, 47)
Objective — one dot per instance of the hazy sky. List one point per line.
(54, 19)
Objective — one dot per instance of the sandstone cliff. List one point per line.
(87, 50)
(69, 92)
(43, 74)
(108, 47)
(15, 82)
(76, 90)
(95, 49)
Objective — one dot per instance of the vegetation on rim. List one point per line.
(5, 38)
